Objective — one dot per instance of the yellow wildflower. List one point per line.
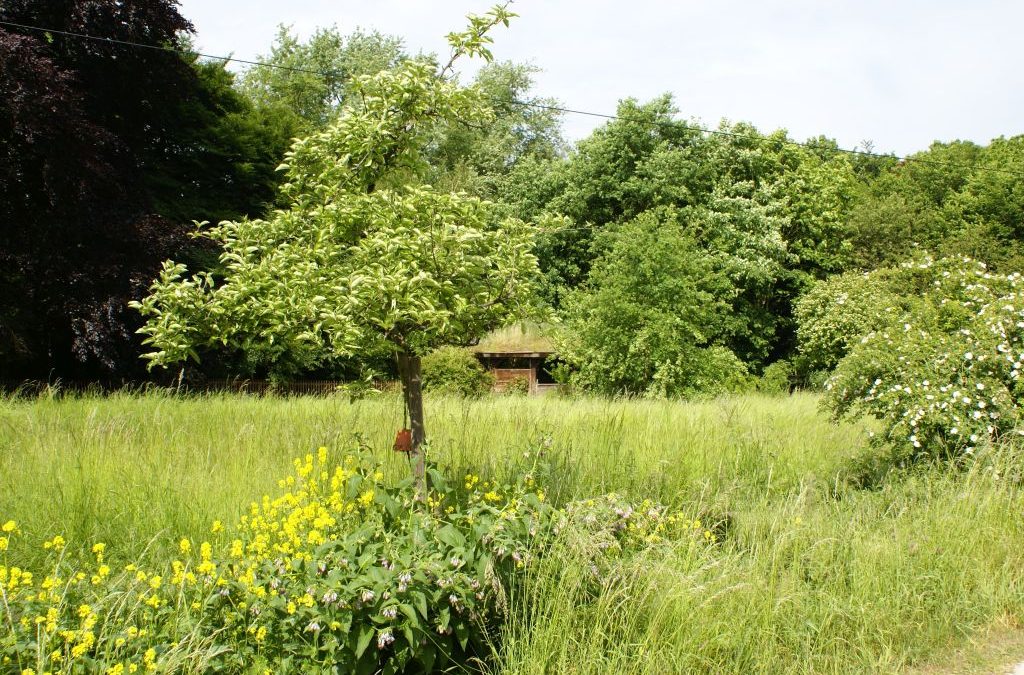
(51, 619)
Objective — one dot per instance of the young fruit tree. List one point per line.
(365, 257)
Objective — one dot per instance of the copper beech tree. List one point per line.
(366, 256)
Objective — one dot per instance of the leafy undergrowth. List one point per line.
(341, 571)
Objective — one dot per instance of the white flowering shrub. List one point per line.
(943, 376)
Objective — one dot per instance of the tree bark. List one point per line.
(412, 393)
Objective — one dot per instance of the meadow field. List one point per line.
(822, 557)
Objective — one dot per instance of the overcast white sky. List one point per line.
(900, 73)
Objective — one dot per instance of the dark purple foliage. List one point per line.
(80, 123)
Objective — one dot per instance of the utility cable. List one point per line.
(542, 106)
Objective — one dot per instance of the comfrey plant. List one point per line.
(943, 377)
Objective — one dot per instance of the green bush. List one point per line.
(944, 375)
(452, 370)
(653, 316)
(776, 378)
(711, 371)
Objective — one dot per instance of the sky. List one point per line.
(897, 73)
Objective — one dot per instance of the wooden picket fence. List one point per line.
(293, 388)
(258, 387)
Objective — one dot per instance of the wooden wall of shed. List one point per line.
(503, 377)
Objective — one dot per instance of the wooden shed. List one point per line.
(518, 354)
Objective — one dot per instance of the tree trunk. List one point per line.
(412, 392)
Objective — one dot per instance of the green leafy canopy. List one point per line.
(366, 255)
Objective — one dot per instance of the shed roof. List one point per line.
(525, 339)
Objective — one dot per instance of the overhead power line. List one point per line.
(542, 106)
(159, 48)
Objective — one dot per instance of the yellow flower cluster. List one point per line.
(71, 634)
(293, 524)
(8, 528)
(63, 632)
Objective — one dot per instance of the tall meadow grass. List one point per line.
(137, 471)
(817, 568)
(863, 582)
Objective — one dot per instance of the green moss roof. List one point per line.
(515, 339)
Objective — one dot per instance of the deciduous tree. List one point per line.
(651, 319)
(365, 256)
(308, 82)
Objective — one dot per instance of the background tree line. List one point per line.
(678, 261)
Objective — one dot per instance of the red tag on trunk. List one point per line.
(403, 441)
